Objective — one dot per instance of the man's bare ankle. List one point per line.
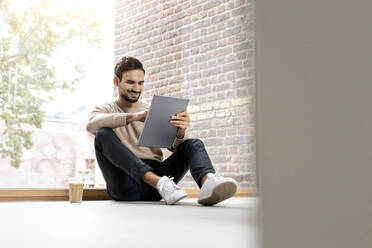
(151, 178)
(205, 177)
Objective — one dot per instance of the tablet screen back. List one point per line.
(157, 130)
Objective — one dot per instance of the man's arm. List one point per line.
(177, 141)
(100, 117)
(182, 122)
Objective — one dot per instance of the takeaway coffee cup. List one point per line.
(76, 186)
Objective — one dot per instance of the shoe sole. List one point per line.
(220, 193)
(174, 202)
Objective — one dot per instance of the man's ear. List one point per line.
(116, 81)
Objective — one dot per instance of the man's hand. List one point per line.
(141, 116)
(138, 116)
(182, 122)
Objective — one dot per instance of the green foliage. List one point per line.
(29, 34)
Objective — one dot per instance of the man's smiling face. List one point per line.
(131, 85)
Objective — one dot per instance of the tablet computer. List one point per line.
(157, 131)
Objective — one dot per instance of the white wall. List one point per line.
(314, 122)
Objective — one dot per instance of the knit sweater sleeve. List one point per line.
(101, 117)
(177, 142)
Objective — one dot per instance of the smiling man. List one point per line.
(135, 173)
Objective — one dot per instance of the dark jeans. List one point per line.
(123, 170)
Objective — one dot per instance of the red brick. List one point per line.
(186, 5)
(223, 51)
(231, 31)
(232, 66)
(213, 142)
(194, 43)
(197, 2)
(212, 38)
(211, 4)
(211, 72)
(242, 46)
(220, 18)
(193, 76)
(193, 11)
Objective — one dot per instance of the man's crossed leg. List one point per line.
(129, 178)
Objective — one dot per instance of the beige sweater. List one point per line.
(113, 116)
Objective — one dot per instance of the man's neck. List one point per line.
(126, 104)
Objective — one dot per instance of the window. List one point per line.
(56, 60)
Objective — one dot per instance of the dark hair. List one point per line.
(127, 64)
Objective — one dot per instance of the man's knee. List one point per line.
(194, 142)
(103, 133)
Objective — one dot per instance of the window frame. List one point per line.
(88, 195)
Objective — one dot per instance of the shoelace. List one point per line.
(172, 183)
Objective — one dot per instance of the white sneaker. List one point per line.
(216, 189)
(170, 192)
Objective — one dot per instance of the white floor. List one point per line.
(232, 223)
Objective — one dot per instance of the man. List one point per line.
(139, 173)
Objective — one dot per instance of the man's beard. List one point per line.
(128, 98)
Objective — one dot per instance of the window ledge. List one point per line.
(88, 194)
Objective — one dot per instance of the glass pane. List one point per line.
(56, 60)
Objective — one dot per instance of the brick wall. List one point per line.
(202, 50)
